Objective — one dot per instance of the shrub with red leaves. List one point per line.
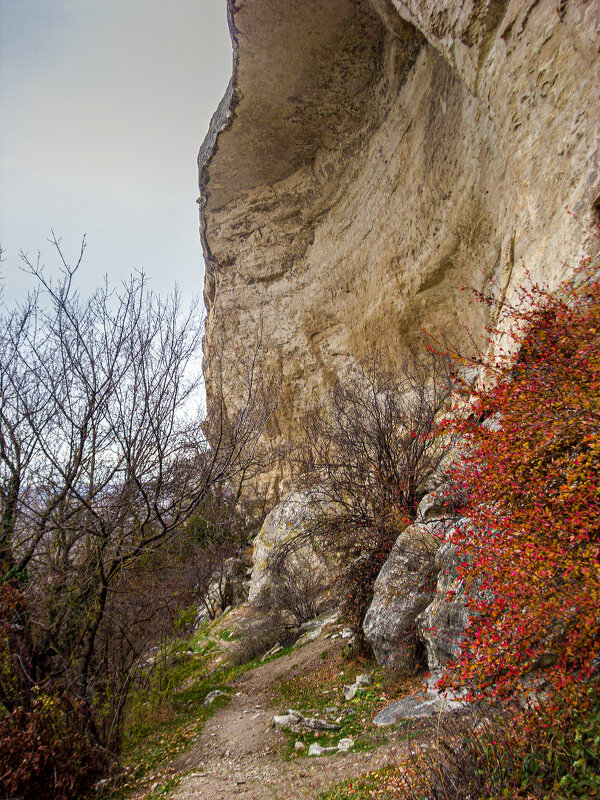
(43, 753)
(532, 478)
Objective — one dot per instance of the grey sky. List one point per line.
(104, 106)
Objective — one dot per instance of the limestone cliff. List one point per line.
(370, 158)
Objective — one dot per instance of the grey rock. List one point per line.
(212, 696)
(310, 625)
(316, 750)
(493, 423)
(442, 624)
(403, 589)
(273, 651)
(309, 636)
(417, 707)
(345, 744)
(316, 724)
(359, 685)
(282, 525)
(350, 692)
(293, 717)
(298, 746)
(438, 504)
(282, 721)
(315, 629)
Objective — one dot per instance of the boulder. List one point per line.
(442, 624)
(317, 628)
(228, 587)
(345, 744)
(403, 589)
(350, 692)
(286, 523)
(317, 724)
(316, 750)
(284, 720)
(418, 707)
(359, 685)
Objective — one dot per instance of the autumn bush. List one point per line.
(531, 474)
(46, 754)
(497, 753)
(508, 751)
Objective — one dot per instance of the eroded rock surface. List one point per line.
(403, 589)
(442, 625)
(371, 158)
(417, 707)
(419, 594)
(303, 564)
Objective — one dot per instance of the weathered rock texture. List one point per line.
(442, 625)
(283, 526)
(371, 158)
(419, 596)
(403, 589)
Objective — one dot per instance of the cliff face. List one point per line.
(371, 158)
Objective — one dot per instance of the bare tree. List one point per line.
(219, 534)
(104, 458)
(369, 451)
(296, 584)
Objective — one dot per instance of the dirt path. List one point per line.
(240, 755)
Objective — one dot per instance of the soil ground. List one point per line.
(239, 754)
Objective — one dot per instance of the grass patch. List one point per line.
(166, 717)
(318, 692)
(227, 635)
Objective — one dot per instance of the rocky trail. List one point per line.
(239, 753)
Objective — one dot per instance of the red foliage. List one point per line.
(43, 753)
(532, 479)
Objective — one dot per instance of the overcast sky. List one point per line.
(104, 106)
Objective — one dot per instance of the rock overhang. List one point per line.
(299, 67)
(370, 158)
